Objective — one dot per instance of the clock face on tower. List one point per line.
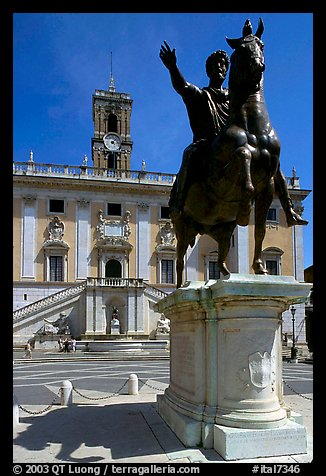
(112, 141)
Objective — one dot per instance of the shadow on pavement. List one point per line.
(71, 434)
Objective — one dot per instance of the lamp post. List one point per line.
(294, 350)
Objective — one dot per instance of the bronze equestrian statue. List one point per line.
(233, 161)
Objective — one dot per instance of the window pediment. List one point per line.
(273, 250)
(56, 244)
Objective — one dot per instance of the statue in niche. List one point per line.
(115, 323)
(115, 315)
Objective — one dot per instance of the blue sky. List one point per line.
(61, 58)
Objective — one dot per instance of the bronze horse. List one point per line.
(236, 168)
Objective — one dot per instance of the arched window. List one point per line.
(272, 258)
(113, 269)
(112, 123)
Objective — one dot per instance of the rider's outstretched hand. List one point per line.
(168, 56)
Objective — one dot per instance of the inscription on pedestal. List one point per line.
(233, 443)
(183, 361)
(226, 366)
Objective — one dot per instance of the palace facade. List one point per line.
(91, 239)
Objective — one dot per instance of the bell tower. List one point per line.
(111, 144)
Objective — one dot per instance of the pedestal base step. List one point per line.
(238, 443)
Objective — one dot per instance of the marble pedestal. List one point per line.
(226, 365)
(115, 329)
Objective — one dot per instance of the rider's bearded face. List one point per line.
(218, 70)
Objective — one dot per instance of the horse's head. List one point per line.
(247, 59)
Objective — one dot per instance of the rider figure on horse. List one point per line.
(208, 110)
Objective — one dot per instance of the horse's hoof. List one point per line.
(259, 269)
(223, 269)
(262, 271)
(296, 219)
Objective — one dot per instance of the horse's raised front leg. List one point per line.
(263, 201)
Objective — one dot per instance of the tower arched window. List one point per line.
(112, 123)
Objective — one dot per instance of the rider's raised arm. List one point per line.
(169, 60)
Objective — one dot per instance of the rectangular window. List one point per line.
(271, 266)
(114, 209)
(271, 215)
(167, 271)
(213, 271)
(56, 268)
(56, 206)
(165, 212)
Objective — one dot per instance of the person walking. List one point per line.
(60, 343)
(73, 344)
(28, 351)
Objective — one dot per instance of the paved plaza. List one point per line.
(106, 425)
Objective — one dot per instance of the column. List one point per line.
(82, 239)
(95, 316)
(131, 312)
(143, 241)
(241, 252)
(191, 263)
(28, 238)
(298, 258)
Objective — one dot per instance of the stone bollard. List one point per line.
(133, 384)
(15, 411)
(66, 393)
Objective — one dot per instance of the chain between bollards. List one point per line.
(65, 393)
(100, 398)
(44, 410)
(294, 391)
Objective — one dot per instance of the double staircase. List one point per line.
(50, 307)
(38, 310)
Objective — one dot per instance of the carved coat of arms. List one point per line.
(260, 369)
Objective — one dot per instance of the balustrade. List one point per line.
(84, 172)
(47, 301)
(115, 282)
